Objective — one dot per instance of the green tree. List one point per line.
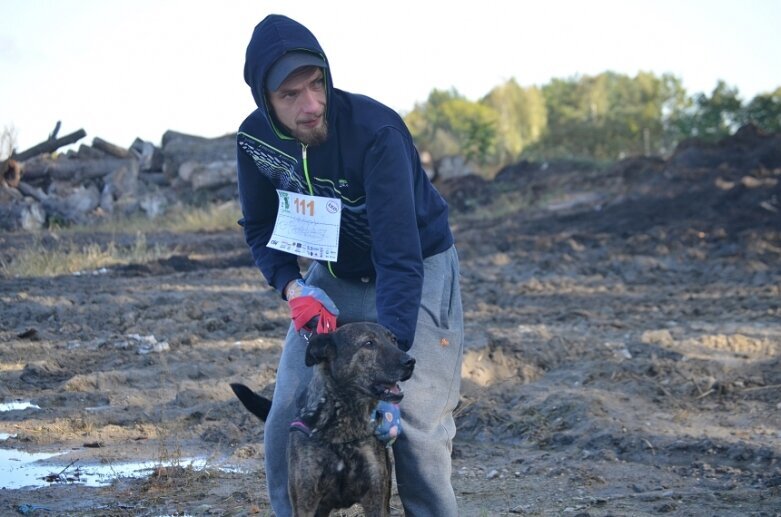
(764, 111)
(447, 123)
(577, 109)
(609, 115)
(565, 114)
(521, 119)
(603, 117)
(636, 116)
(713, 117)
(677, 103)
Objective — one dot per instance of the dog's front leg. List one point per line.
(304, 497)
(302, 486)
(376, 502)
(376, 505)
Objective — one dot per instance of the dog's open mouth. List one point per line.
(388, 392)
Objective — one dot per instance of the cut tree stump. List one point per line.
(12, 172)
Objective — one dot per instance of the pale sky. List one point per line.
(136, 68)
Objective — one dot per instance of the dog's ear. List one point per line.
(321, 347)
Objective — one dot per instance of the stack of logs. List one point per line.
(39, 187)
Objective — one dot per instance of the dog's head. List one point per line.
(364, 357)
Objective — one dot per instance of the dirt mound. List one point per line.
(623, 350)
(748, 149)
(640, 195)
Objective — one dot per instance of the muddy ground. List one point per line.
(623, 352)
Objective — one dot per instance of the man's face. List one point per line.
(299, 105)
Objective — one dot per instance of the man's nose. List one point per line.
(310, 101)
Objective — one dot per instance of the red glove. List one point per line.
(303, 309)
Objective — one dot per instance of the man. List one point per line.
(310, 151)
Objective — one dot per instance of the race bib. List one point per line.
(307, 226)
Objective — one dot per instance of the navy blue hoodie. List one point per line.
(392, 217)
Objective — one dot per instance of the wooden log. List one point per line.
(179, 148)
(123, 181)
(109, 148)
(34, 192)
(155, 178)
(11, 172)
(24, 214)
(76, 170)
(85, 151)
(56, 130)
(73, 205)
(150, 157)
(208, 175)
(49, 146)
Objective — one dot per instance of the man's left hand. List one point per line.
(311, 308)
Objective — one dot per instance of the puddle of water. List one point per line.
(20, 469)
(17, 405)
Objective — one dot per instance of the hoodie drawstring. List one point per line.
(306, 170)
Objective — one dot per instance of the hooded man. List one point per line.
(335, 178)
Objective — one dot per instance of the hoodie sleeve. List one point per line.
(396, 248)
(259, 204)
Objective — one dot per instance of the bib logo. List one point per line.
(331, 207)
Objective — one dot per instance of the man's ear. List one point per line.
(321, 347)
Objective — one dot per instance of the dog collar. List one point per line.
(299, 425)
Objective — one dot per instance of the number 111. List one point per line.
(302, 206)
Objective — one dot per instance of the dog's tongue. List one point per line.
(395, 389)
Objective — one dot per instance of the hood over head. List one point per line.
(273, 37)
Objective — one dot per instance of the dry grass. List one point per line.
(7, 142)
(40, 260)
(178, 219)
(44, 260)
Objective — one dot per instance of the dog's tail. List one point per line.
(255, 404)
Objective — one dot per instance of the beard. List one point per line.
(314, 136)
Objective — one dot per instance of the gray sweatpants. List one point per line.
(422, 452)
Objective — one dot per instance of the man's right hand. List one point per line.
(311, 308)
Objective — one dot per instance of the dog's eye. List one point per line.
(369, 343)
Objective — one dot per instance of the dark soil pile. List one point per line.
(623, 350)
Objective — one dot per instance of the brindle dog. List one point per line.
(334, 459)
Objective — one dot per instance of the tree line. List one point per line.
(604, 117)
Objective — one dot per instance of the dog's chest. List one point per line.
(344, 471)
